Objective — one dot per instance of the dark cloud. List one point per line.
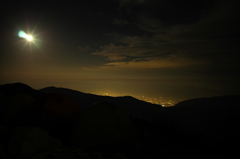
(197, 43)
(120, 21)
(170, 12)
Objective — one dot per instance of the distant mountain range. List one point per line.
(211, 122)
(215, 120)
(133, 106)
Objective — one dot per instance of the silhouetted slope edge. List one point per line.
(222, 102)
(20, 88)
(196, 128)
(208, 122)
(212, 121)
(134, 107)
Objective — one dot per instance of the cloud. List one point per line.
(178, 60)
(204, 41)
(138, 53)
(222, 19)
(152, 63)
(135, 50)
(198, 18)
(117, 21)
(124, 3)
(86, 48)
(153, 52)
(151, 24)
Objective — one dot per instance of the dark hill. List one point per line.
(213, 121)
(223, 102)
(20, 88)
(133, 106)
(202, 122)
(196, 128)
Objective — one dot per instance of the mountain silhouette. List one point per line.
(208, 122)
(195, 128)
(134, 107)
(212, 122)
(16, 88)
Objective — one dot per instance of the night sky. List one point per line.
(167, 48)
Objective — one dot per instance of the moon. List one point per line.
(22, 34)
(29, 38)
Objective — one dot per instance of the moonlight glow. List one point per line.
(22, 34)
(29, 38)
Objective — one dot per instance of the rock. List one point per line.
(102, 123)
(25, 142)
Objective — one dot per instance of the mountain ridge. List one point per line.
(209, 124)
(133, 106)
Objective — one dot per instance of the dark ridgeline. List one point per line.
(12, 92)
(196, 128)
(209, 123)
(17, 88)
(133, 106)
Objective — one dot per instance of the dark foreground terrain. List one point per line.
(63, 123)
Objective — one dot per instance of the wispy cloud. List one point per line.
(84, 48)
(132, 2)
(180, 45)
(153, 63)
(117, 21)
